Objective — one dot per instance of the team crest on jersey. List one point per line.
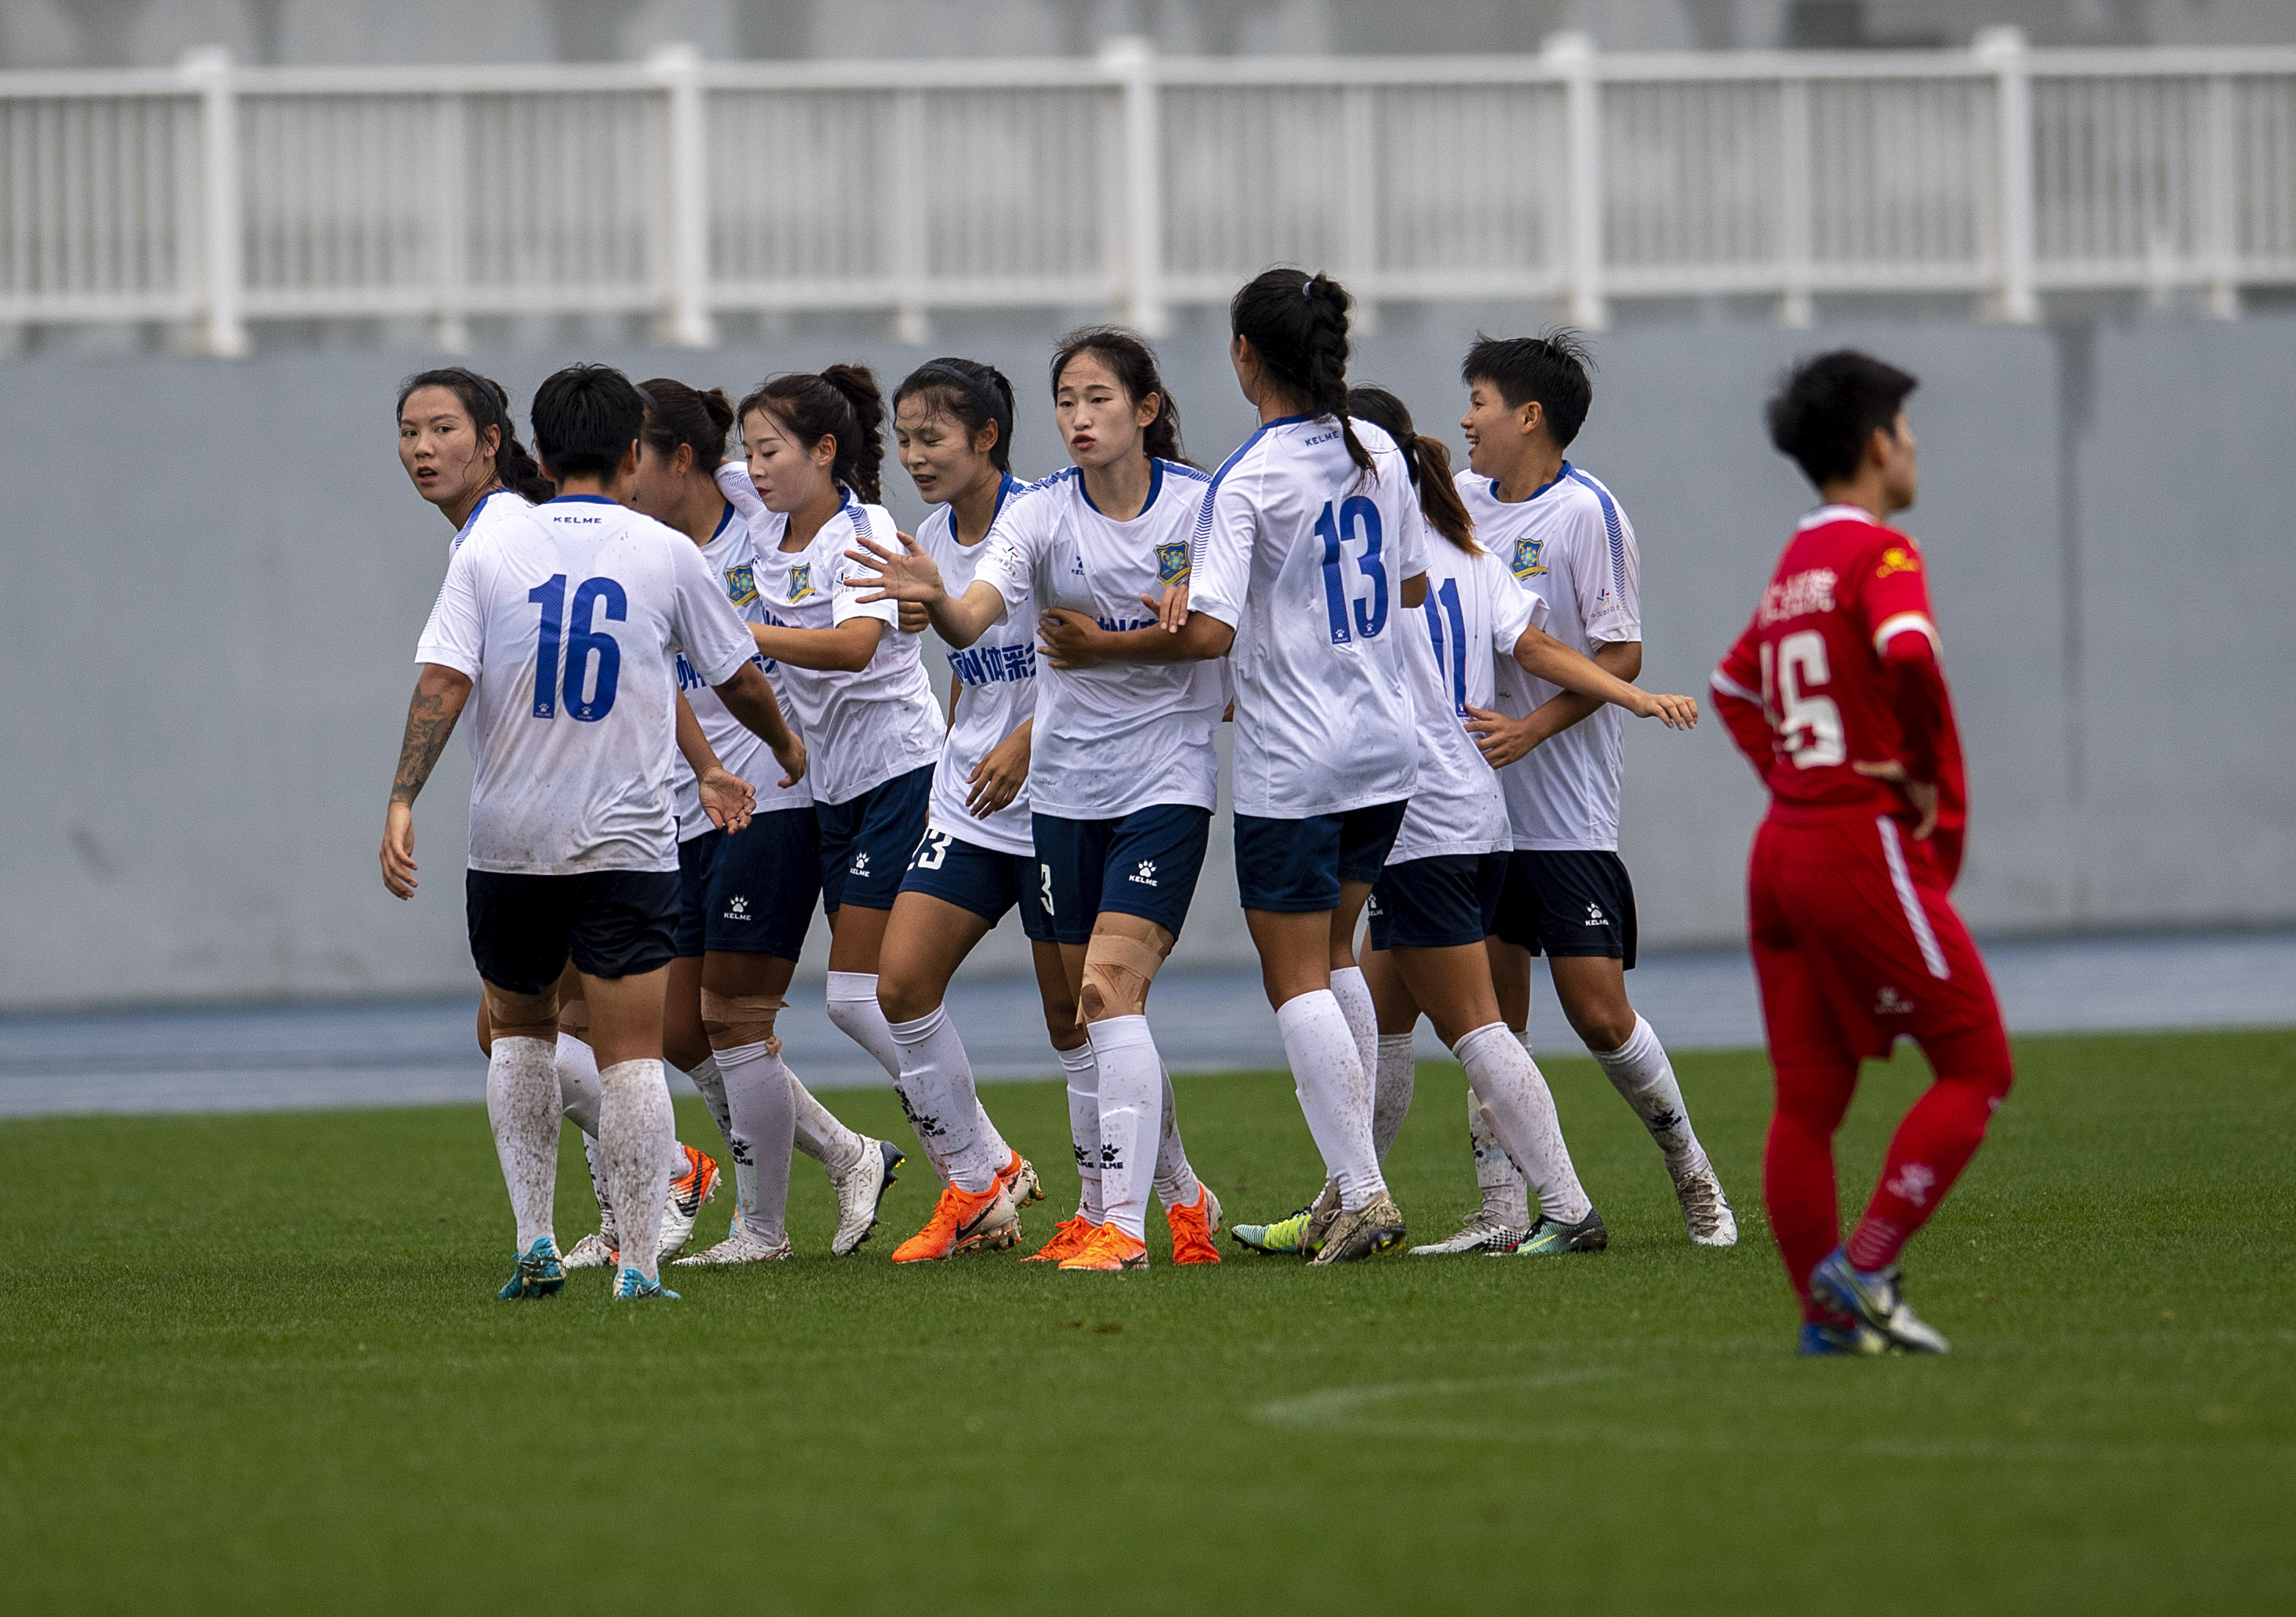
(1527, 563)
(1172, 562)
(1898, 559)
(741, 584)
(800, 582)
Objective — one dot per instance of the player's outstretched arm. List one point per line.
(440, 694)
(1073, 640)
(750, 698)
(1543, 657)
(910, 576)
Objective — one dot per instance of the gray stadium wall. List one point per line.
(216, 573)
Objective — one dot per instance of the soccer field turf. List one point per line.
(255, 1363)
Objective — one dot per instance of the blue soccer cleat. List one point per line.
(1841, 1339)
(539, 1274)
(1872, 1297)
(634, 1287)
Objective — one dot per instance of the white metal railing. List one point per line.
(219, 195)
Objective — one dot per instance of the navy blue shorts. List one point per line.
(1440, 902)
(1569, 901)
(613, 923)
(1296, 866)
(1145, 864)
(751, 892)
(981, 880)
(866, 843)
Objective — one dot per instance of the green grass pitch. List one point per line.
(255, 1363)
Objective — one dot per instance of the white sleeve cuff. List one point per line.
(1727, 686)
(448, 657)
(1916, 623)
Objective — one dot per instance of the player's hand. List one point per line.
(1920, 796)
(727, 798)
(906, 574)
(790, 756)
(1501, 740)
(1676, 713)
(398, 851)
(997, 779)
(1172, 611)
(912, 619)
(1070, 639)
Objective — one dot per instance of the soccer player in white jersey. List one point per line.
(460, 450)
(1306, 559)
(746, 892)
(558, 631)
(857, 685)
(1437, 899)
(1560, 755)
(1122, 772)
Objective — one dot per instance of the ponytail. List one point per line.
(1427, 461)
(487, 405)
(841, 402)
(1297, 322)
(677, 414)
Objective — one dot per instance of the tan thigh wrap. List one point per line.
(1107, 955)
(723, 1013)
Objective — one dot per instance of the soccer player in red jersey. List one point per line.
(1837, 694)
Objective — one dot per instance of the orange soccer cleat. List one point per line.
(1068, 1240)
(1018, 1178)
(963, 1221)
(1193, 1227)
(1108, 1248)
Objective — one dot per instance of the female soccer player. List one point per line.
(856, 684)
(460, 450)
(1122, 771)
(1438, 898)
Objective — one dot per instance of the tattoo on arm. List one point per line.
(430, 721)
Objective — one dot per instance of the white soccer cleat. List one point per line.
(1483, 1231)
(861, 1191)
(595, 1251)
(687, 1191)
(1705, 1211)
(739, 1246)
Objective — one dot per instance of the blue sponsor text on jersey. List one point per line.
(993, 664)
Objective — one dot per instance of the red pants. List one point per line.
(1855, 943)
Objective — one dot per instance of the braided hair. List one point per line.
(1297, 322)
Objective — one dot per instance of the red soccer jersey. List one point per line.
(1841, 666)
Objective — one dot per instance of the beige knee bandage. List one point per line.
(574, 1018)
(1111, 963)
(725, 1013)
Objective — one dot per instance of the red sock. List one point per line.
(1934, 1143)
(1798, 1186)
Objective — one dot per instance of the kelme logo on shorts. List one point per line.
(1146, 874)
(860, 866)
(737, 907)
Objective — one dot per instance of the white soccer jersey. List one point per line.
(741, 749)
(1124, 735)
(495, 506)
(993, 681)
(1474, 614)
(564, 622)
(860, 729)
(1572, 546)
(1305, 554)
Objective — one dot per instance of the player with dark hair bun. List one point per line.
(1836, 694)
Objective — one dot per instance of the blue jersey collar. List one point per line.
(1561, 476)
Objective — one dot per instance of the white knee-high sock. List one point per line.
(853, 1007)
(819, 1135)
(1335, 1093)
(761, 1107)
(936, 1087)
(1176, 1184)
(710, 1081)
(1131, 1105)
(1506, 1196)
(523, 1106)
(1398, 1073)
(1639, 1071)
(576, 1066)
(635, 1130)
(1522, 1112)
(600, 1188)
(1350, 987)
(1083, 1075)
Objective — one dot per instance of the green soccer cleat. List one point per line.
(539, 1274)
(1549, 1238)
(1873, 1296)
(1285, 1235)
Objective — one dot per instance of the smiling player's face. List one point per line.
(1495, 432)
